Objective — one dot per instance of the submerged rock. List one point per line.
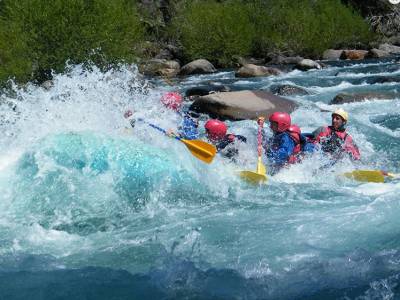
(359, 97)
(288, 90)
(242, 105)
(385, 79)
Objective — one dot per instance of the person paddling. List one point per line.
(189, 126)
(334, 140)
(302, 144)
(226, 144)
(281, 146)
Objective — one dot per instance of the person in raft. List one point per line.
(303, 145)
(188, 129)
(226, 143)
(334, 140)
(280, 148)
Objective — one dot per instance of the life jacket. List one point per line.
(189, 126)
(279, 149)
(336, 142)
(332, 141)
(294, 158)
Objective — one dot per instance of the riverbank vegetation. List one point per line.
(38, 37)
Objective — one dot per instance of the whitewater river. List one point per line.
(92, 210)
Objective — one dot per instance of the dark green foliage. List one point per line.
(40, 36)
(307, 27)
(218, 30)
(46, 34)
(214, 31)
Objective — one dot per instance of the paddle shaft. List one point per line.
(259, 136)
(159, 129)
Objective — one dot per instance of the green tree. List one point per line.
(49, 33)
(306, 27)
(214, 31)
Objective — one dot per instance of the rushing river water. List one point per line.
(91, 210)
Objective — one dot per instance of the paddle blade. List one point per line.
(393, 176)
(253, 177)
(366, 176)
(200, 149)
(261, 168)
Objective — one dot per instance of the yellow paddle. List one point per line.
(259, 176)
(370, 175)
(199, 149)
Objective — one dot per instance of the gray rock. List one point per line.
(165, 54)
(241, 61)
(376, 53)
(395, 40)
(242, 105)
(160, 67)
(206, 90)
(251, 70)
(285, 60)
(288, 90)
(359, 97)
(47, 85)
(332, 54)
(390, 48)
(199, 66)
(354, 54)
(307, 64)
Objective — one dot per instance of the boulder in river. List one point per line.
(390, 48)
(354, 54)
(308, 64)
(199, 66)
(251, 70)
(332, 54)
(160, 67)
(376, 53)
(242, 105)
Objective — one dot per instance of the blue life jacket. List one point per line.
(306, 145)
(189, 126)
(279, 148)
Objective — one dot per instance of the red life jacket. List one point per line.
(333, 141)
(294, 158)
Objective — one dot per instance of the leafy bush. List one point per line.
(214, 31)
(306, 27)
(45, 34)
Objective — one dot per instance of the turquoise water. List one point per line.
(91, 210)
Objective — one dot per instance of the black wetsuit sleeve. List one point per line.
(241, 138)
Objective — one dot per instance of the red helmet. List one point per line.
(172, 100)
(295, 132)
(295, 129)
(216, 129)
(282, 119)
